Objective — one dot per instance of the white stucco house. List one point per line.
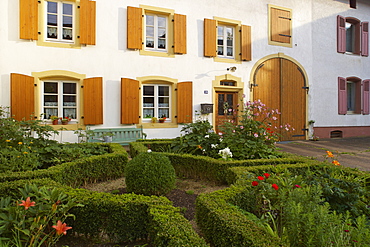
(118, 64)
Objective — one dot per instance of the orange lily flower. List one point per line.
(335, 162)
(329, 154)
(61, 228)
(27, 203)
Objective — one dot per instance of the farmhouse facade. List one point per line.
(114, 64)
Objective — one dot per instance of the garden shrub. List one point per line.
(150, 174)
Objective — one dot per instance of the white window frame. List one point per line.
(156, 106)
(156, 28)
(60, 94)
(224, 38)
(60, 22)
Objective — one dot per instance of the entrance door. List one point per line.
(226, 108)
(280, 84)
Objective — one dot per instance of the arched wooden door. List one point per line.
(280, 84)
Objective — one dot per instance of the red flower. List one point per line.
(27, 203)
(254, 183)
(266, 175)
(61, 228)
(297, 186)
(346, 230)
(260, 178)
(275, 186)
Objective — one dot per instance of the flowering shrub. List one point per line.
(256, 132)
(36, 220)
(292, 209)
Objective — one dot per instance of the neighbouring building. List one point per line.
(114, 63)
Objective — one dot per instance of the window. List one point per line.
(353, 96)
(150, 32)
(227, 40)
(280, 26)
(59, 99)
(155, 32)
(156, 102)
(59, 19)
(57, 24)
(352, 36)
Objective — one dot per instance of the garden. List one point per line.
(267, 198)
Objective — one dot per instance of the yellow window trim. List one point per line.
(237, 25)
(270, 42)
(159, 11)
(42, 27)
(39, 77)
(146, 80)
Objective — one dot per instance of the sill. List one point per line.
(226, 60)
(70, 126)
(156, 53)
(159, 125)
(290, 45)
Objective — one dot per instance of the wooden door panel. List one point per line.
(226, 106)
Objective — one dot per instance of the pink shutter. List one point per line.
(342, 96)
(365, 39)
(341, 34)
(366, 97)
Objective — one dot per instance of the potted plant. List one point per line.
(54, 119)
(65, 120)
(107, 136)
(162, 119)
(154, 119)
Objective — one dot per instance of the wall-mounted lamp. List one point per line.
(232, 69)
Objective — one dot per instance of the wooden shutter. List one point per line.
(130, 98)
(352, 4)
(280, 25)
(28, 21)
(246, 43)
(93, 100)
(341, 34)
(366, 97)
(365, 39)
(179, 30)
(87, 22)
(185, 102)
(342, 96)
(134, 28)
(210, 36)
(22, 96)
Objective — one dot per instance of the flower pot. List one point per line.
(55, 122)
(161, 120)
(64, 122)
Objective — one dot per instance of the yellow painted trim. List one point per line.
(42, 27)
(159, 11)
(279, 55)
(59, 75)
(237, 25)
(160, 80)
(270, 42)
(216, 87)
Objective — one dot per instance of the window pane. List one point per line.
(69, 88)
(220, 31)
(149, 90)
(69, 100)
(52, 20)
(164, 112)
(52, 33)
(163, 102)
(50, 112)
(229, 32)
(164, 91)
(50, 87)
(220, 41)
(52, 7)
(149, 20)
(70, 112)
(220, 50)
(67, 21)
(148, 102)
(162, 33)
(50, 100)
(350, 36)
(67, 34)
(161, 44)
(67, 9)
(148, 113)
(220, 110)
(229, 51)
(162, 22)
(150, 31)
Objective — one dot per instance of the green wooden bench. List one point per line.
(122, 136)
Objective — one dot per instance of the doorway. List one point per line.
(226, 108)
(280, 84)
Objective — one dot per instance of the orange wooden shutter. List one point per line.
(134, 28)
(129, 101)
(28, 21)
(179, 34)
(185, 102)
(246, 42)
(210, 36)
(280, 25)
(22, 98)
(93, 100)
(87, 22)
